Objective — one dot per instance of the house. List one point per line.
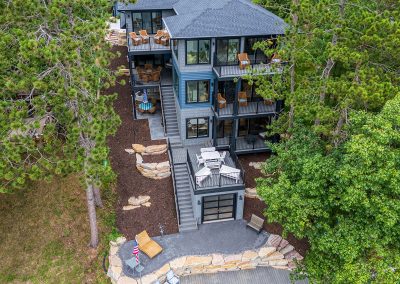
(204, 98)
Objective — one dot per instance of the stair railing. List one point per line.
(171, 158)
(162, 110)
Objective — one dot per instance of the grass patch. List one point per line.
(44, 234)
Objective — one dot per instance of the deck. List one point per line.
(216, 180)
(165, 80)
(252, 108)
(148, 48)
(234, 70)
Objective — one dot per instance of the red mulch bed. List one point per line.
(130, 182)
(257, 207)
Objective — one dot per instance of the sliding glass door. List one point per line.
(149, 21)
(227, 50)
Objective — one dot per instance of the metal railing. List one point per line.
(151, 46)
(162, 110)
(233, 107)
(171, 158)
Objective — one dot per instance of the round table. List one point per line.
(145, 106)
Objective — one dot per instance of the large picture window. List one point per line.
(198, 51)
(227, 50)
(149, 21)
(197, 91)
(256, 55)
(197, 127)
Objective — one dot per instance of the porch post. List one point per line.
(132, 79)
(233, 141)
(214, 131)
(236, 102)
(215, 96)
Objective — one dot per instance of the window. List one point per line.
(227, 50)
(149, 21)
(197, 127)
(197, 91)
(256, 55)
(198, 52)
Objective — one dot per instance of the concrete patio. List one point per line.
(223, 237)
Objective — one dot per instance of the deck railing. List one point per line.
(162, 110)
(171, 158)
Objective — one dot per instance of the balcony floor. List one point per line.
(152, 46)
(234, 70)
(242, 145)
(214, 180)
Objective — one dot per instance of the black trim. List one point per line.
(209, 52)
(197, 118)
(198, 93)
(234, 205)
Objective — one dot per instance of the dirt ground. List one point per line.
(130, 182)
(257, 207)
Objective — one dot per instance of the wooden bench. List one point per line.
(256, 223)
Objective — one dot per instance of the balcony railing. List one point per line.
(147, 47)
(230, 68)
(233, 107)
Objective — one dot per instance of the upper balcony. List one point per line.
(229, 105)
(246, 66)
(148, 47)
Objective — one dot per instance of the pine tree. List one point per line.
(53, 63)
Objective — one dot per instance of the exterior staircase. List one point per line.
(182, 186)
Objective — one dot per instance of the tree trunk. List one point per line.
(295, 20)
(94, 234)
(97, 197)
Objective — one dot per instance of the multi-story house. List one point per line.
(205, 98)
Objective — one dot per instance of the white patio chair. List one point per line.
(213, 164)
(223, 156)
(230, 172)
(209, 149)
(202, 175)
(172, 278)
(200, 160)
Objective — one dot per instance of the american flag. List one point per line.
(136, 251)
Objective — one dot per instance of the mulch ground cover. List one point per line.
(257, 207)
(129, 181)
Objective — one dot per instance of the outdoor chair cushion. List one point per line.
(147, 245)
(245, 62)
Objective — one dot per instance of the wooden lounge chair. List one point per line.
(135, 39)
(148, 66)
(165, 39)
(221, 101)
(155, 76)
(147, 245)
(158, 36)
(268, 102)
(244, 60)
(145, 36)
(242, 98)
(256, 223)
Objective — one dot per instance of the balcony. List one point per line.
(251, 143)
(228, 70)
(147, 48)
(216, 181)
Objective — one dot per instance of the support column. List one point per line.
(235, 127)
(132, 81)
(215, 96)
(215, 124)
(236, 102)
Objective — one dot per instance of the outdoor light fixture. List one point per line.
(240, 197)
(198, 202)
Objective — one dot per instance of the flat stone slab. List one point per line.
(229, 237)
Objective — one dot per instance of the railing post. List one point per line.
(236, 102)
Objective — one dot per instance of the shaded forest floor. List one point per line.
(44, 234)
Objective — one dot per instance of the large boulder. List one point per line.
(137, 201)
(149, 166)
(163, 165)
(156, 148)
(138, 148)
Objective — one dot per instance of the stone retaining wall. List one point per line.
(277, 253)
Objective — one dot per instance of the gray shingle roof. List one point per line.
(148, 5)
(215, 18)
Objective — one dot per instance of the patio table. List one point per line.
(210, 156)
(145, 106)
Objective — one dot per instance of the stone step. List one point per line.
(187, 227)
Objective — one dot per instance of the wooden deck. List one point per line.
(148, 47)
(166, 80)
(251, 108)
(235, 71)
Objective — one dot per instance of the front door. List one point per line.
(219, 207)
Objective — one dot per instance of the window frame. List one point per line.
(226, 63)
(197, 131)
(197, 81)
(198, 51)
(152, 25)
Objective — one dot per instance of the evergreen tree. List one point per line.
(53, 63)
